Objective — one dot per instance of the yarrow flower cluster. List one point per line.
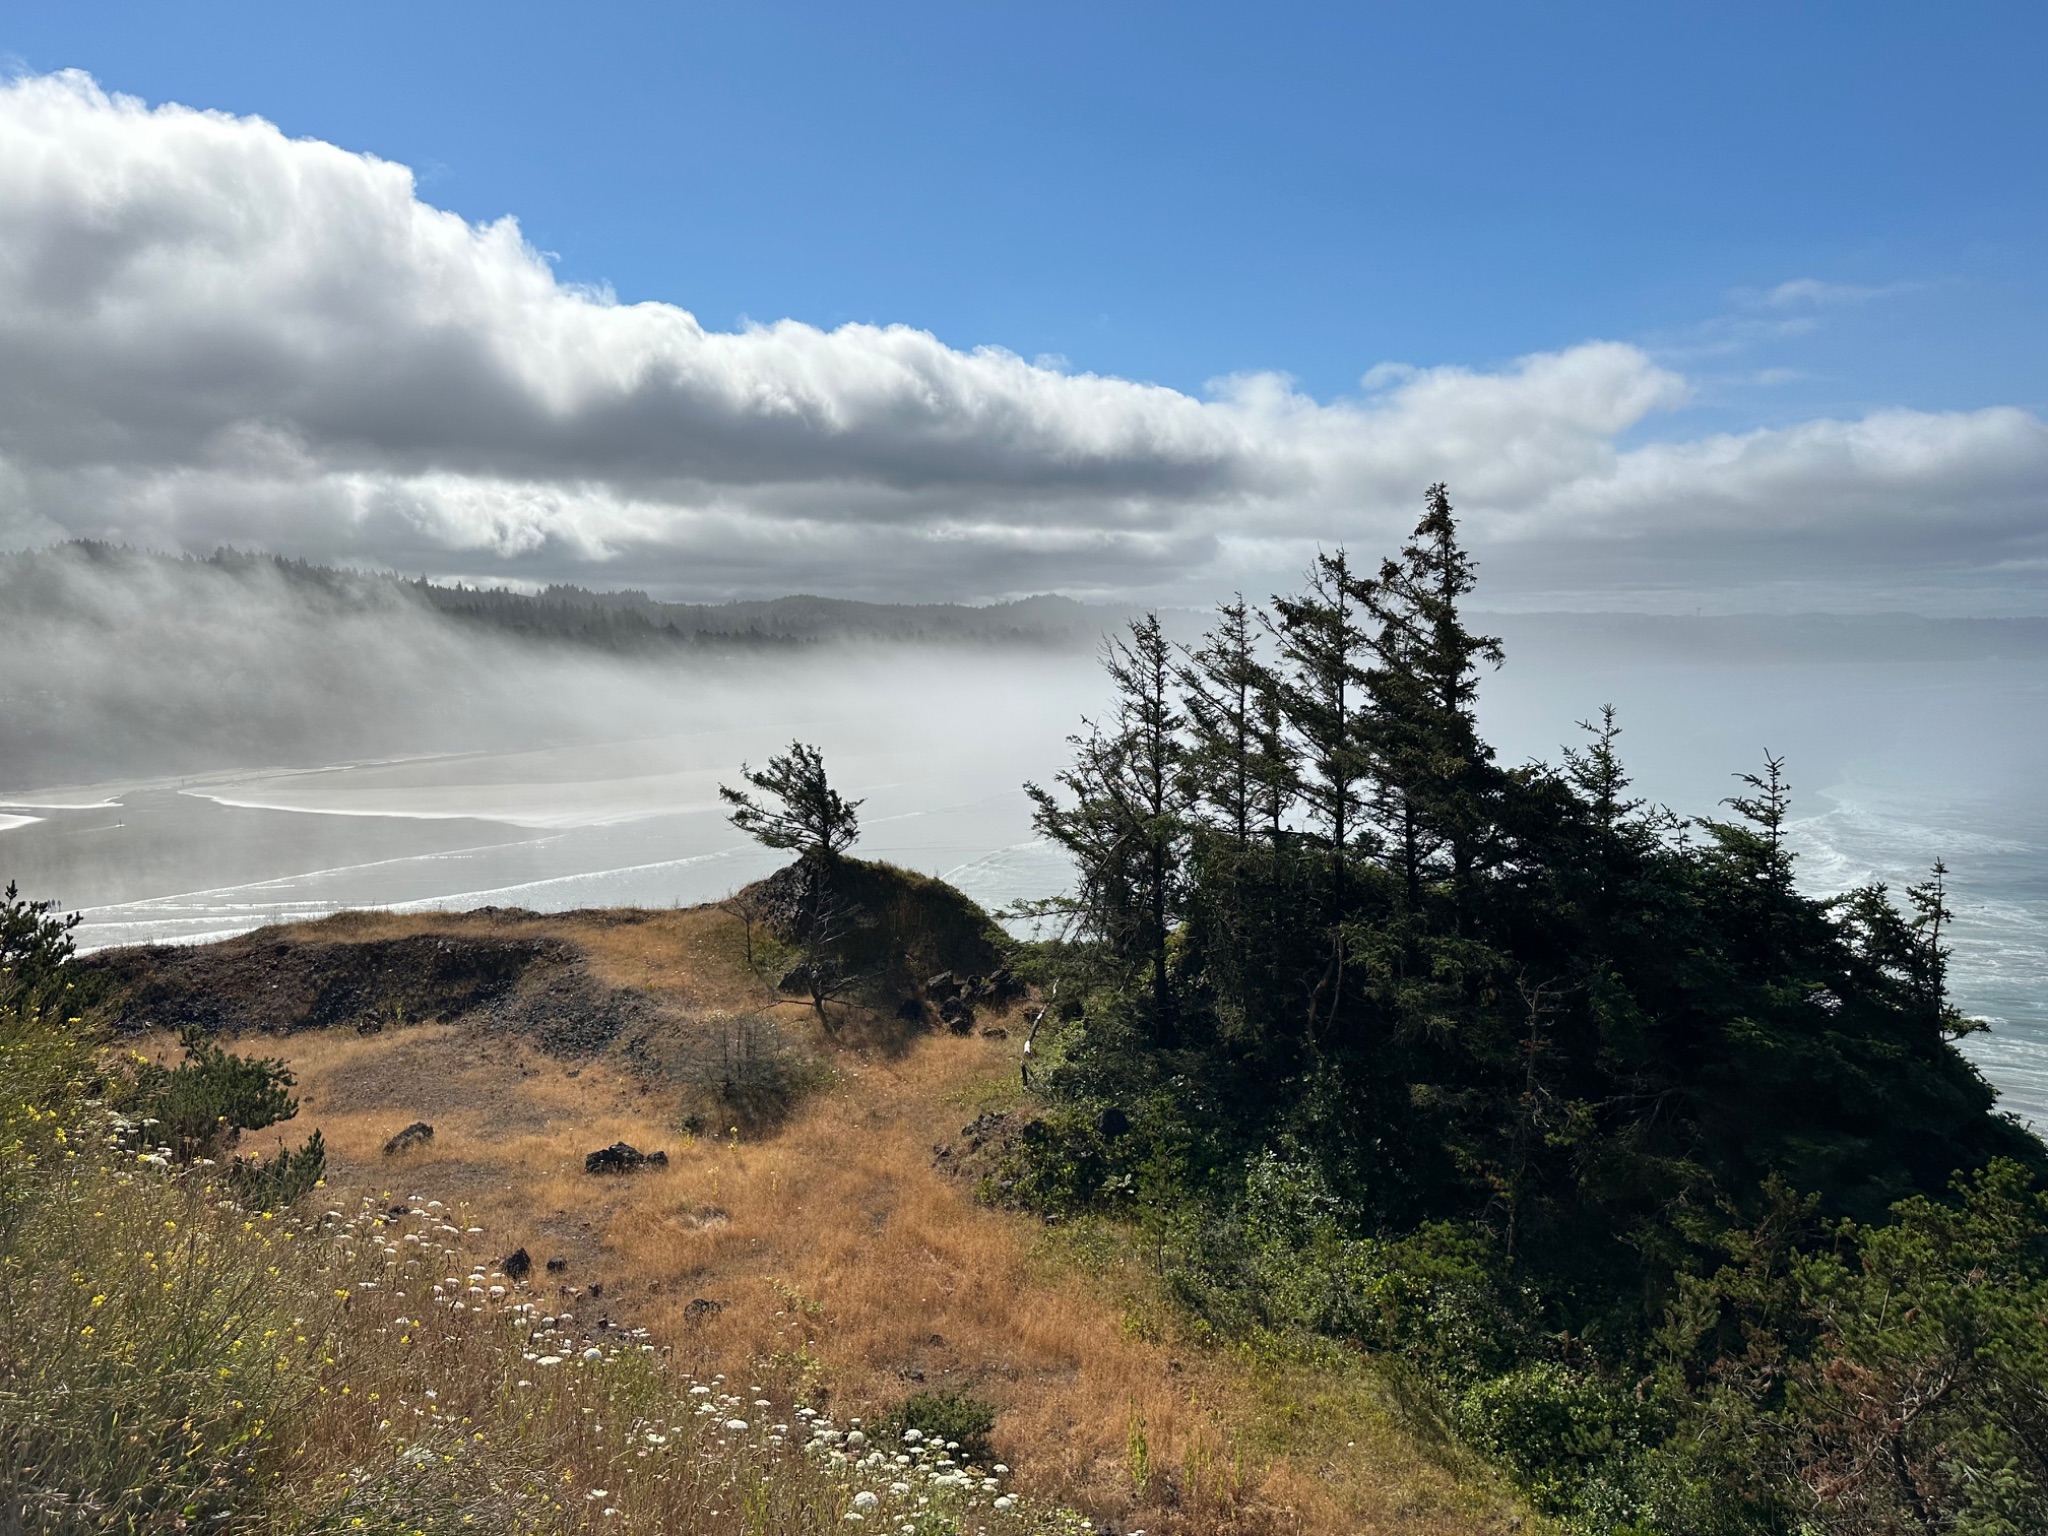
(923, 1487)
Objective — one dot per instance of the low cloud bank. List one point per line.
(211, 333)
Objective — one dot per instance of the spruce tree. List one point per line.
(1430, 765)
(1127, 827)
(1223, 682)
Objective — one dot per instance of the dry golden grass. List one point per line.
(844, 1264)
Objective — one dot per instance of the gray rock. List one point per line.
(622, 1157)
(418, 1134)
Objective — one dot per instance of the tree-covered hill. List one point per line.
(1669, 1178)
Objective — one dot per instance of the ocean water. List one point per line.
(1893, 764)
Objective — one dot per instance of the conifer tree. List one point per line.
(1223, 683)
(1428, 758)
(1596, 771)
(1322, 647)
(1128, 825)
(812, 819)
(1321, 693)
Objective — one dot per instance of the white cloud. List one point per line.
(1816, 293)
(211, 333)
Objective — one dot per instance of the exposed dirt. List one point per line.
(278, 981)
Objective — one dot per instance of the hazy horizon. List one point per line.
(211, 752)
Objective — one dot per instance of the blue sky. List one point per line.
(1808, 211)
(1173, 192)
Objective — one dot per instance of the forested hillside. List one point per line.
(46, 584)
(1667, 1181)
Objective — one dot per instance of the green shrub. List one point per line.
(953, 1419)
(199, 1105)
(270, 1184)
(1569, 1437)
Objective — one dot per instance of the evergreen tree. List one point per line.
(1429, 764)
(1499, 1067)
(1127, 828)
(1321, 695)
(1224, 684)
(812, 819)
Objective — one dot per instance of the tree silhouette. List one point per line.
(812, 819)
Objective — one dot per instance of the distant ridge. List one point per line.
(630, 617)
(45, 583)
(42, 581)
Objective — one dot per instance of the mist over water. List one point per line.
(1894, 763)
(184, 769)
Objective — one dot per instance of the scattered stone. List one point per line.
(940, 985)
(557, 1264)
(702, 1309)
(622, 1157)
(517, 1265)
(995, 1032)
(418, 1134)
(957, 1014)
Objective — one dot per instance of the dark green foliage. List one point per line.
(811, 818)
(1127, 826)
(201, 1107)
(273, 1182)
(38, 973)
(1570, 1436)
(1891, 1378)
(889, 928)
(1504, 1071)
(950, 1418)
(210, 1097)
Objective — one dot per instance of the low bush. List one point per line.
(955, 1421)
(205, 1102)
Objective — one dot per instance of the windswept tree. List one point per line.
(806, 901)
(811, 819)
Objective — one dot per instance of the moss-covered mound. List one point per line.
(893, 932)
